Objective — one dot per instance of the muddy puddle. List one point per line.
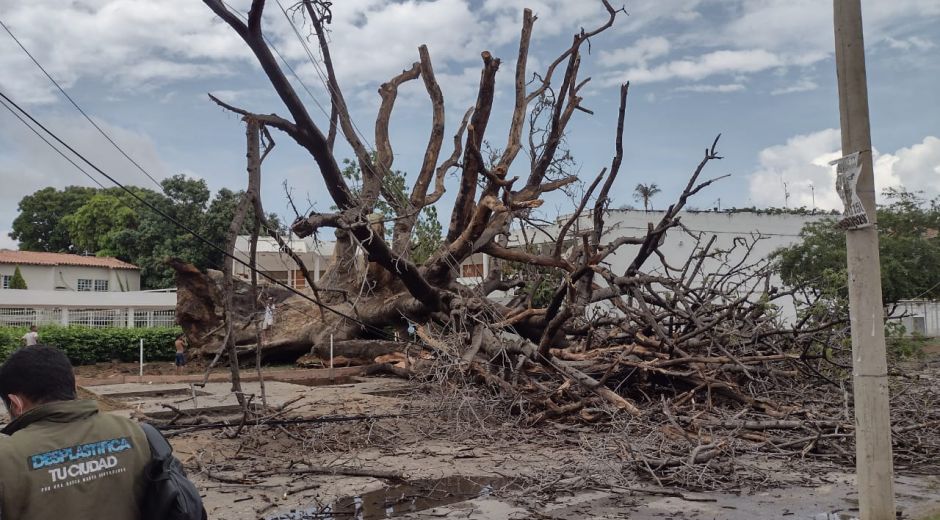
(157, 393)
(318, 381)
(205, 411)
(392, 392)
(401, 499)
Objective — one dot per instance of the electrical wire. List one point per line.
(77, 107)
(186, 228)
(283, 60)
(182, 226)
(320, 73)
(60, 152)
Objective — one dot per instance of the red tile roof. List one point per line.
(37, 258)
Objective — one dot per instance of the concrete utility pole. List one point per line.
(874, 464)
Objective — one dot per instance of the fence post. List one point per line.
(141, 359)
(64, 317)
(130, 317)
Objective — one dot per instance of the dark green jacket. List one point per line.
(65, 461)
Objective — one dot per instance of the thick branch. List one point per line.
(518, 115)
(404, 226)
(603, 200)
(389, 93)
(371, 178)
(463, 206)
(308, 135)
(450, 162)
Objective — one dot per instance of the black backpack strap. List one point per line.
(159, 448)
(171, 495)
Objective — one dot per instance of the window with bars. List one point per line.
(85, 284)
(299, 281)
(472, 270)
(101, 285)
(7, 279)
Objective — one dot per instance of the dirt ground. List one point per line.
(106, 370)
(388, 448)
(410, 451)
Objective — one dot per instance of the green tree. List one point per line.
(17, 282)
(40, 224)
(110, 222)
(96, 226)
(427, 236)
(645, 192)
(908, 244)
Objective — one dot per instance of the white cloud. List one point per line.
(803, 28)
(801, 169)
(916, 167)
(911, 42)
(6, 242)
(554, 17)
(714, 89)
(779, 34)
(640, 52)
(33, 165)
(803, 85)
(132, 42)
(697, 68)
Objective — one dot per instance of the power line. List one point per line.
(184, 226)
(60, 152)
(320, 73)
(77, 107)
(296, 76)
(284, 61)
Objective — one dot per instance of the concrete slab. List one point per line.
(288, 375)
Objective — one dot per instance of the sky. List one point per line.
(759, 72)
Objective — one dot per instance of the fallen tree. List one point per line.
(678, 317)
(698, 350)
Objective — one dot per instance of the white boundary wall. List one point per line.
(918, 316)
(90, 309)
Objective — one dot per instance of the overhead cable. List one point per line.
(77, 107)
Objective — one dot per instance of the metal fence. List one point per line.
(87, 317)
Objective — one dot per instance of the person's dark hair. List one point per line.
(39, 373)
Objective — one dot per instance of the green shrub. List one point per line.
(85, 345)
(18, 282)
(900, 346)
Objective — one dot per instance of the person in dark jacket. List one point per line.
(60, 458)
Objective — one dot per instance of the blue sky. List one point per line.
(760, 72)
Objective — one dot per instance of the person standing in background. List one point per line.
(180, 354)
(32, 337)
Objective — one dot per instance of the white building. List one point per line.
(317, 256)
(90, 309)
(65, 272)
(63, 289)
(775, 230)
(921, 317)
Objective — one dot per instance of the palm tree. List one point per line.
(645, 192)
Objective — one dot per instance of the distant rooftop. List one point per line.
(37, 258)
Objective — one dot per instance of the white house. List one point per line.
(920, 317)
(775, 230)
(89, 309)
(65, 272)
(317, 256)
(92, 291)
